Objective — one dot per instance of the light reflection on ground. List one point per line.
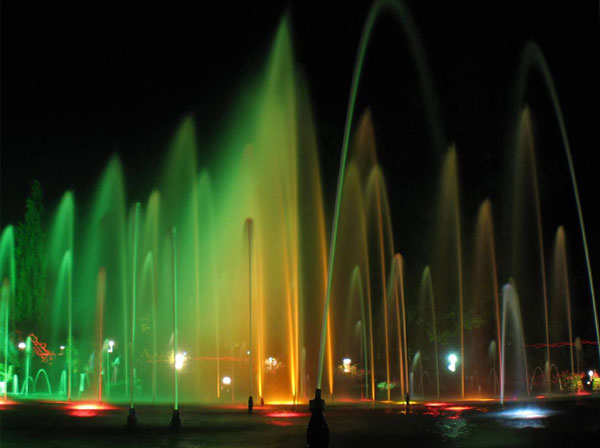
(529, 417)
(87, 409)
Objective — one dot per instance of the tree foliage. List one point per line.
(30, 301)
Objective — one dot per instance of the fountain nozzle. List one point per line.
(317, 432)
(131, 418)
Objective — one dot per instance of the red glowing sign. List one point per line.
(40, 349)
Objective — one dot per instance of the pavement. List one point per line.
(563, 422)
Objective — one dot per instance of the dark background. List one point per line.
(82, 82)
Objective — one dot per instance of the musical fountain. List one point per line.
(255, 298)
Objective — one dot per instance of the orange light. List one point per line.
(287, 414)
(87, 409)
(350, 400)
(436, 405)
(458, 408)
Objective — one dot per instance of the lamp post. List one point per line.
(175, 418)
(249, 225)
(109, 350)
(132, 417)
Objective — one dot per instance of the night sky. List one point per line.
(81, 83)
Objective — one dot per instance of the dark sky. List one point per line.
(80, 83)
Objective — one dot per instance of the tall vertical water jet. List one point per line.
(60, 251)
(104, 246)
(526, 170)
(356, 287)
(67, 271)
(175, 418)
(427, 300)
(448, 261)
(561, 291)
(205, 197)
(377, 199)
(100, 300)
(398, 270)
(151, 247)
(5, 312)
(149, 283)
(353, 249)
(511, 310)
(396, 290)
(8, 277)
(313, 250)
(485, 294)
(131, 417)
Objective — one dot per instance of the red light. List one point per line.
(458, 408)
(87, 409)
(287, 414)
(435, 405)
(279, 423)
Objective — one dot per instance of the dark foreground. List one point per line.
(543, 423)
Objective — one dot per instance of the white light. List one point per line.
(453, 359)
(271, 363)
(2, 387)
(347, 362)
(111, 344)
(590, 373)
(248, 352)
(62, 347)
(22, 345)
(226, 380)
(527, 413)
(179, 359)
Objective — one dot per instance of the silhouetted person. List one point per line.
(250, 404)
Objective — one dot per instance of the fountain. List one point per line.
(222, 282)
(511, 313)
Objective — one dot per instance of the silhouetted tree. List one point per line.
(31, 302)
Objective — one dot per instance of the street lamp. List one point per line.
(179, 360)
(347, 364)
(452, 359)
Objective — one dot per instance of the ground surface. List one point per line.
(543, 423)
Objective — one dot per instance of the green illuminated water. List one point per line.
(249, 295)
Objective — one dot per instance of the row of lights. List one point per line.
(272, 362)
